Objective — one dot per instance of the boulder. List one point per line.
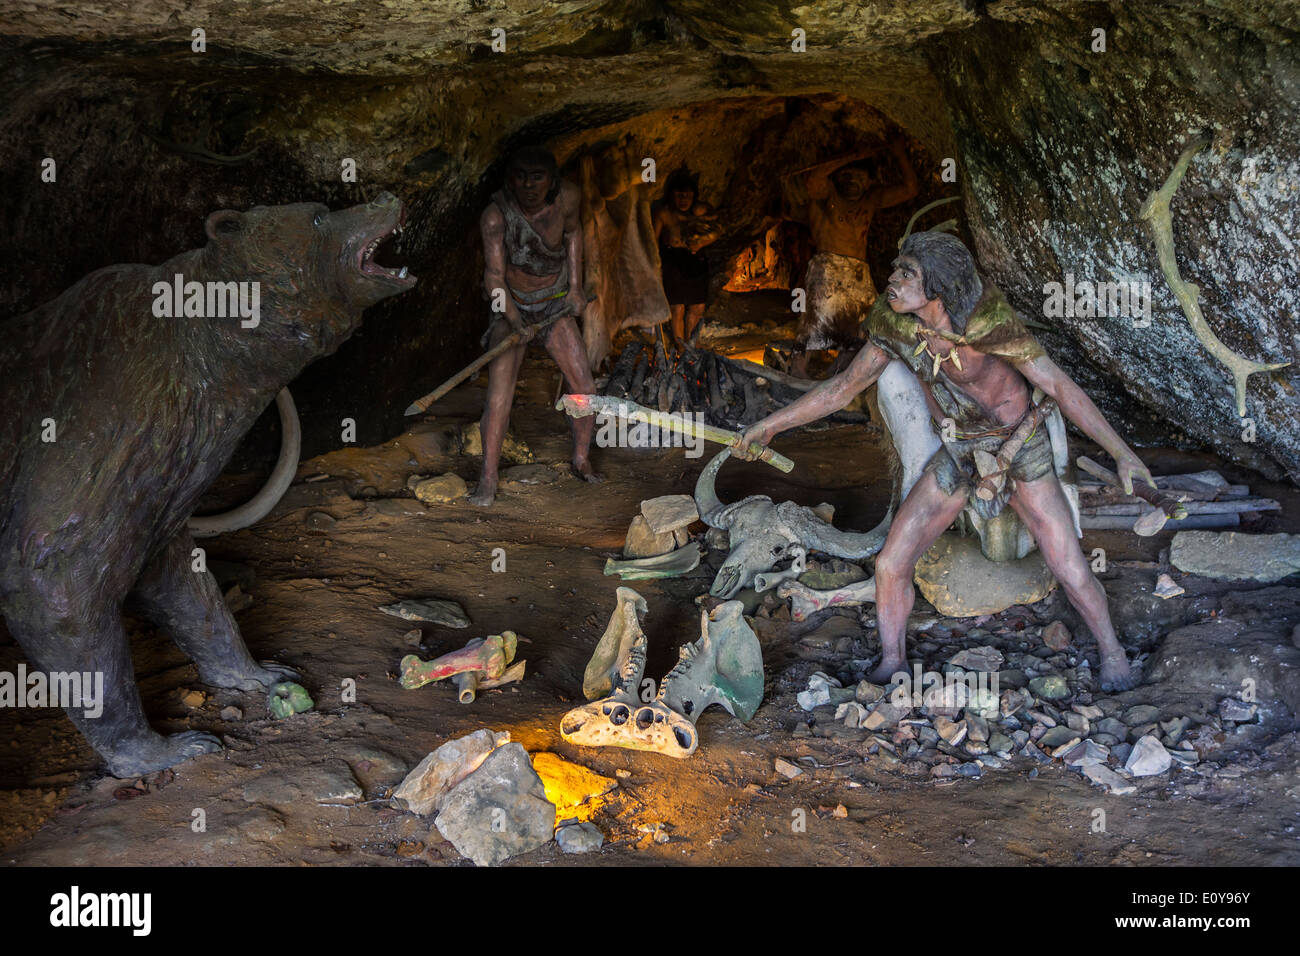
(1236, 556)
(1148, 758)
(513, 450)
(1206, 662)
(498, 811)
(1108, 779)
(425, 786)
(959, 581)
(579, 838)
(642, 542)
(443, 488)
(669, 512)
(985, 659)
(1056, 636)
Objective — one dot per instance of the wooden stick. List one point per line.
(781, 378)
(1166, 506)
(580, 406)
(1235, 506)
(421, 405)
(1125, 522)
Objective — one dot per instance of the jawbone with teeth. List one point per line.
(725, 666)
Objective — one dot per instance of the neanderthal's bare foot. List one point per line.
(889, 666)
(583, 470)
(485, 493)
(1117, 673)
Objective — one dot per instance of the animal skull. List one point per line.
(762, 532)
(725, 666)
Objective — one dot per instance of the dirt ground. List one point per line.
(337, 548)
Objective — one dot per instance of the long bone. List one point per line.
(483, 662)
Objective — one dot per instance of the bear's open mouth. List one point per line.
(366, 260)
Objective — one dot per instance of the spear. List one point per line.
(580, 406)
(421, 405)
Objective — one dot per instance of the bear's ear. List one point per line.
(224, 223)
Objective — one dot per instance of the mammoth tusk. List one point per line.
(1156, 211)
(260, 505)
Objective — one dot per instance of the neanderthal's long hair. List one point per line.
(535, 157)
(682, 180)
(947, 273)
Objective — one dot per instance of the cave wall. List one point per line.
(1056, 148)
(1059, 148)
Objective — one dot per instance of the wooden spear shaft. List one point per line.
(580, 406)
(421, 405)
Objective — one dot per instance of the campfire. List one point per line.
(730, 393)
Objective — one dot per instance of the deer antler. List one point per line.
(1156, 211)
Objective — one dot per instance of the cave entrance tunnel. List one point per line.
(748, 156)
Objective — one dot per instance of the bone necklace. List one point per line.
(924, 346)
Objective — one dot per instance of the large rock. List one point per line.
(579, 838)
(642, 542)
(433, 778)
(1148, 758)
(513, 450)
(498, 811)
(1203, 663)
(959, 581)
(1235, 556)
(1060, 144)
(669, 512)
(446, 487)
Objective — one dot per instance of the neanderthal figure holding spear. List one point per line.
(532, 247)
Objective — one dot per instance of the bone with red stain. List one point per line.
(487, 657)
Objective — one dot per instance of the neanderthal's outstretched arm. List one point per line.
(828, 397)
(1079, 408)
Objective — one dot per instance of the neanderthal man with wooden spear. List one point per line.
(532, 246)
(977, 364)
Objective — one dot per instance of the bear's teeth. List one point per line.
(402, 274)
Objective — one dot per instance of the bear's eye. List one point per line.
(320, 217)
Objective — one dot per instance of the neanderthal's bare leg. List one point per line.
(676, 322)
(503, 371)
(1043, 508)
(924, 515)
(694, 315)
(565, 345)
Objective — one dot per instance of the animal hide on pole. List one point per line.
(620, 256)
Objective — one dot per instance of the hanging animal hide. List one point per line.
(620, 255)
